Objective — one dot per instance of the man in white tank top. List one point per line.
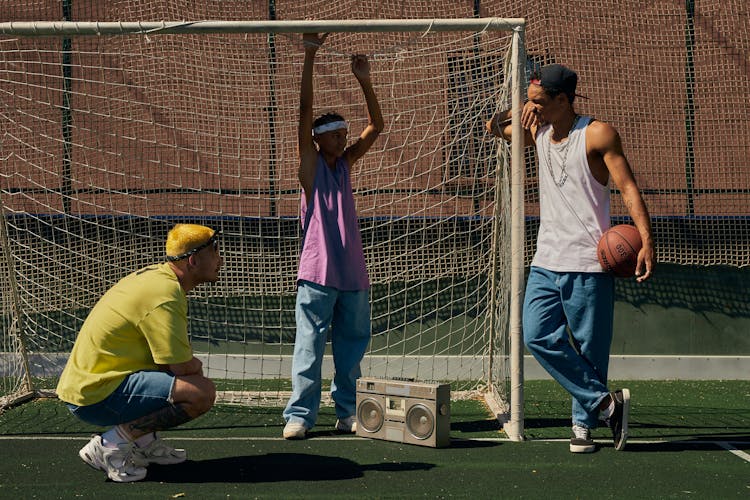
(569, 303)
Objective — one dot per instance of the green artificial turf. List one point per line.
(680, 440)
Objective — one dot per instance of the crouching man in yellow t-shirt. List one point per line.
(132, 366)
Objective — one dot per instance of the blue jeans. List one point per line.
(141, 393)
(584, 304)
(348, 315)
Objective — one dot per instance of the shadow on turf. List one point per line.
(484, 425)
(471, 443)
(272, 467)
(541, 423)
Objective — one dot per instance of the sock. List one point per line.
(114, 437)
(145, 440)
(609, 410)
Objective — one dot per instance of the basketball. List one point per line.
(618, 250)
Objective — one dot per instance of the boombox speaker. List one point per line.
(403, 411)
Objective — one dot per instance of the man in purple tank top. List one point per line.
(332, 281)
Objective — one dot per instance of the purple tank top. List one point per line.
(332, 244)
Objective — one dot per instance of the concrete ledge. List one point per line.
(646, 367)
(642, 367)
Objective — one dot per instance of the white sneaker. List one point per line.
(348, 424)
(581, 441)
(294, 430)
(116, 462)
(158, 452)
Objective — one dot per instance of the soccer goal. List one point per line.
(113, 131)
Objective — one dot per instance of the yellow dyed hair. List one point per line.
(184, 237)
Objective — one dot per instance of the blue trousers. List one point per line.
(348, 316)
(141, 393)
(582, 303)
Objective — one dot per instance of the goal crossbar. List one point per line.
(65, 28)
(515, 75)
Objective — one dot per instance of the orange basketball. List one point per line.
(618, 250)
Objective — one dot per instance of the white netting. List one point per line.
(108, 140)
(671, 77)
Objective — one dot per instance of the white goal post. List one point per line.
(113, 131)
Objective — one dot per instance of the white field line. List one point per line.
(731, 449)
(727, 445)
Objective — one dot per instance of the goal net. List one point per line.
(113, 132)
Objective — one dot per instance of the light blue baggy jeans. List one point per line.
(584, 304)
(348, 315)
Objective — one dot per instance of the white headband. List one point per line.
(327, 127)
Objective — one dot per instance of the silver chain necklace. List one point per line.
(563, 172)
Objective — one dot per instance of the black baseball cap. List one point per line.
(556, 79)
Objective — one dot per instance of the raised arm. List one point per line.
(500, 124)
(361, 70)
(308, 155)
(606, 141)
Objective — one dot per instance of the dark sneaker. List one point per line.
(581, 441)
(348, 424)
(618, 421)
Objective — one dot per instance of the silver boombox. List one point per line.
(403, 411)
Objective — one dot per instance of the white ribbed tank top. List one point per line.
(574, 206)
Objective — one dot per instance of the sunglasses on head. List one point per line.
(213, 240)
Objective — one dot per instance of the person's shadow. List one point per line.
(271, 467)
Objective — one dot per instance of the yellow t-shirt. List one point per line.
(139, 323)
